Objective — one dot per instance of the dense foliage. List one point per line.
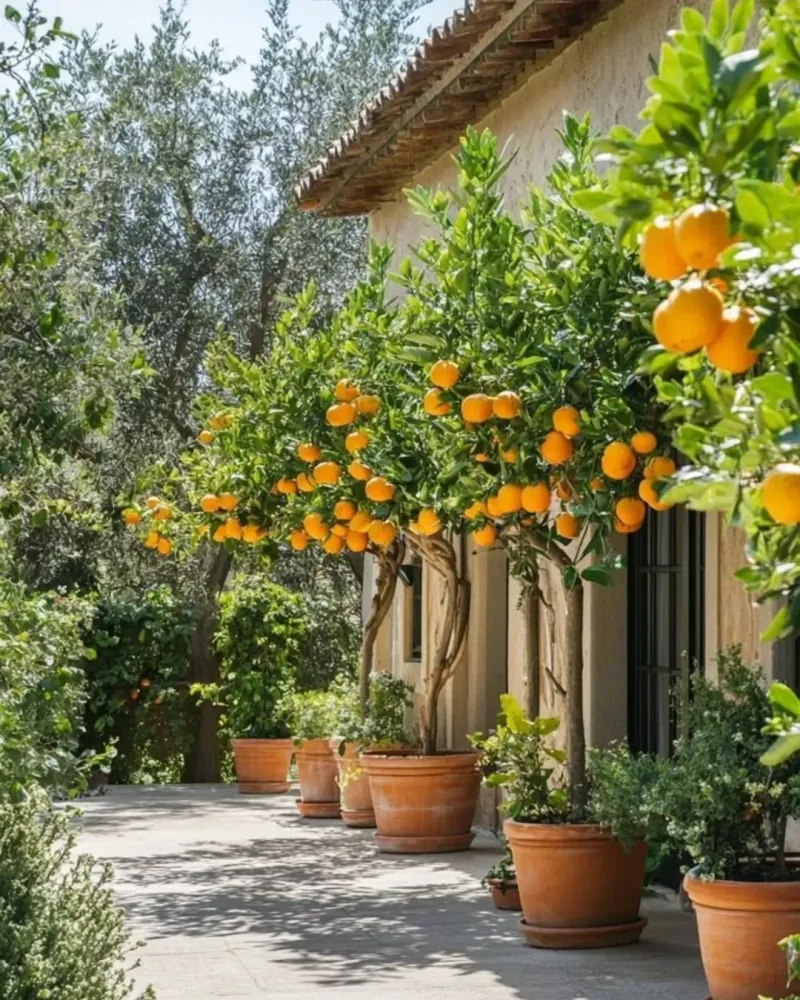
(386, 719)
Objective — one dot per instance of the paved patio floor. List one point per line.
(237, 897)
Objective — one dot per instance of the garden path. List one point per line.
(238, 898)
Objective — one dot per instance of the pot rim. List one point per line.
(278, 742)
(412, 763)
(318, 747)
(550, 832)
(500, 883)
(728, 894)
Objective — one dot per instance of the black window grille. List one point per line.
(665, 622)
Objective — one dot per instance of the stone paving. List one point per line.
(236, 897)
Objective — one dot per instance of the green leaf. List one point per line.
(51, 71)
(514, 713)
(742, 16)
(718, 19)
(595, 575)
(781, 750)
(773, 387)
(778, 627)
(739, 74)
(783, 696)
(692, 20)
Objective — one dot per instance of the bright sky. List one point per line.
(236, 23)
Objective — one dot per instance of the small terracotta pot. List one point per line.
(262, 766)
(740, 925)
(505, 895)
(578, 886)
(316, 771)
(353, 786)
(423, 805)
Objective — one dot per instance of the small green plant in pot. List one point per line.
(383, 727)
(593, 901)
(312, 717)
(729, 811)
(501, 880)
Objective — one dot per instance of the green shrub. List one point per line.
(62, 936)
(385, 722)
(312, 715)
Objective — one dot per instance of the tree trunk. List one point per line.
(389, 567)
(202, 763)
(573, 668)
(530, 622)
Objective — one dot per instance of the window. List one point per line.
(411, 575)
(665, 622)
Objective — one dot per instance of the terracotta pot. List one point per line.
(740, 924)
(262, 766)
(316, 771)
(578, 886)
(353, 786)
(423, 805)
(505, 895)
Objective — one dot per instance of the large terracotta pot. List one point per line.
(423, 805)
(578, 886)
(740, 925)
(262, 766)
(353, 786)
(316, 771)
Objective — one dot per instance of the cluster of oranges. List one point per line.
(230, 528)
(157, 510)
(351, 403)
(476, 408)
(352, 529)
(694, 314)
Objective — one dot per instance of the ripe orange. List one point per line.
(445, 374)
(477, 408)
(298, 540)
(379, 490)
(566, 420)
(368, 405)
(701, 234)
(564, 490)
(730, 351)
(152, 502)
(626, 529)
(434, 405)
(333, 545)
(206, 437)
(152, 540)
(286, 486)
(493, 507)
(357, 541)
(568, 526)
(648, 493)
(344, 510)
(781, 493)
(360, 522)
(475, 510)
(660, 467)
(215, 423)
(658, 251)
(618, 460)
(359, 471)
(315, 527)
(340, 414)
(428, 521)
(327, 473)
(163, 512)
(251, 533)
(510, 455)
(305, 483)
(209, 503)
(356, 440)
(509, 498)
(346, 390)
(536, 498)
(507, 405)
(131, 517)
(689, 318)
(227, 501)
(482, 457)
(382, 533)
(233, 528)
(413, 527)
(556, 448)
(340, 530)
(220, 534)
(643, 442)
(308, 452)
(630, 510)
(597, 484)
(485, 536)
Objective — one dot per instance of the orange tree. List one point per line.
(525, 339)
(709, 187)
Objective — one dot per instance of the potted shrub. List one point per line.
(259, 635)
(579, 884)
(312, 720)
(383, 728)
(729, 812)
(501, 880)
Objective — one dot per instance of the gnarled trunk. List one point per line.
(573, 670)
(451, 633)
(389, 562)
